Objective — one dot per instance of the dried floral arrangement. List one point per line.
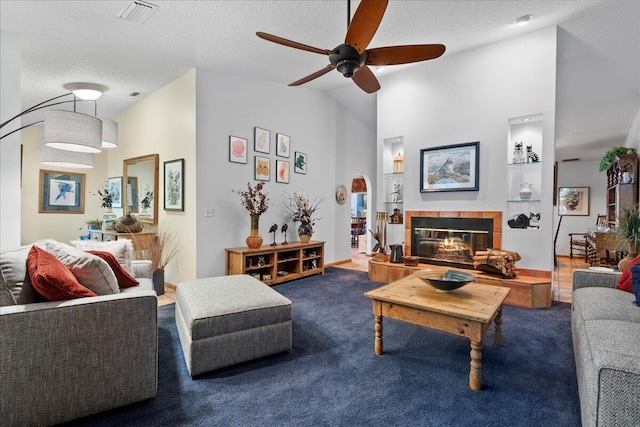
(253, 199)
(160, 251)
(300, 208)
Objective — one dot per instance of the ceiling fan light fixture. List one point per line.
(348, 67)
(524, 19)
(86, 91)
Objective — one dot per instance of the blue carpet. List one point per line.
(332, 376)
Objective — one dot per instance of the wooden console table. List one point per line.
(531, 289)
(277, 264)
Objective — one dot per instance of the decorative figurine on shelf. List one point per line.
(526, 190)
(532, 156)
(261, 261)
(284, 229)
(396, 217)
(398, 164)
(396, 195)
(518, 153)
(273, 230)
(534, 220)
(314, 264)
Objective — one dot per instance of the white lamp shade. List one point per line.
(68, 130)
(109, 133)
(64, 158)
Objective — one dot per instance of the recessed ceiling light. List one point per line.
(526, 119)
(523, 19)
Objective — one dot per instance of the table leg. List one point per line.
(378, 340)
(497, 337)
(475, 376)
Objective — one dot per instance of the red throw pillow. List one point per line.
(52, 279)
(125, 280)
(625, 283)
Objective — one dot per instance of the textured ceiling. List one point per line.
(69, 41)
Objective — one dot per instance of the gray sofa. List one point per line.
(605, 325)
(68, 359)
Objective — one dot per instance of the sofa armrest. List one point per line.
(78, 357)
(585, 278)
(142, 269)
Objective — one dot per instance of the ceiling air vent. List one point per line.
(137, 11)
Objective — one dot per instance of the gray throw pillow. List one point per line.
(91, 271)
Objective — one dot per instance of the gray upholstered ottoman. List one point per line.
(226, 320)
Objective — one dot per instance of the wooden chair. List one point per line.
(578, 241)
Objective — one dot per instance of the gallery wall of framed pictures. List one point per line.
(264, 165)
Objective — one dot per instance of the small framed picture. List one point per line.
(300, 163)
(262, 138)
(262, 168)
(115, 189)
(453, 167)
(573, 201)
(61, 192)
(237, 149)
(282, 145)
(174, 185)
(282, 171)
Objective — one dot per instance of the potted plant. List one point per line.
(94, 224)
(629, 230)
(612, 155)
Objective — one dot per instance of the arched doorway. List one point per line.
(361, 205)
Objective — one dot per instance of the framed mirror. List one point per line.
(141, 190)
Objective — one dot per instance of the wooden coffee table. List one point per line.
(467, 311)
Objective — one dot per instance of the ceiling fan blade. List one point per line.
(394, 55)
(365, 79)
(290, 43)
(364, 24)
(315, 75)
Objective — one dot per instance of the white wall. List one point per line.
(164, 123)
(10, 62)
(332, 139)
(470, 97)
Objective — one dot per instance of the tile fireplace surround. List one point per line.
(532, 288)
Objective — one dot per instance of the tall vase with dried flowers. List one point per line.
(629, 230)
(300, 208)
(160, 251)
(257, 203)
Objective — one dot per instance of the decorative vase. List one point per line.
(525, 190)
(158, 281)
(254, 241)
(305, 231)
(127, 224)
(634, 249)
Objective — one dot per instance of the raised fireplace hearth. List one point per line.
(451, 238)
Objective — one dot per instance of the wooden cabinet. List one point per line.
(622, 186)
(143, 239)
(279, 263)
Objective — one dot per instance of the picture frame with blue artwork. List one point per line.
(61, 192)
(282, 145)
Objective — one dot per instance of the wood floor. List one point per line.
(561, 288)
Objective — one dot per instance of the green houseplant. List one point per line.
(611, 155)
(629, 230)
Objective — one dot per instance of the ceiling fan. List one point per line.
(353, 58)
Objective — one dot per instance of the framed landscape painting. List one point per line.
(61, 192)
(573, 201)
(450, 167)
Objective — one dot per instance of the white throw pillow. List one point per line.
(122, 249)
(91, 271)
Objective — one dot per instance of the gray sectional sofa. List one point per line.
(605, 325)
(67, 359)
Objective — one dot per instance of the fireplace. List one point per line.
(451, 238)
